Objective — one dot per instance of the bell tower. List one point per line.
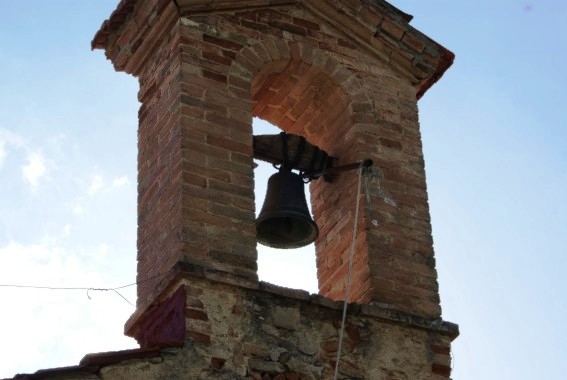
(346, 76)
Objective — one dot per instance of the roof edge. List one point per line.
(446, 61)
(122, 11)
(383, 29)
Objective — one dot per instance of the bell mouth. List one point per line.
(286, 232)
(284, 221)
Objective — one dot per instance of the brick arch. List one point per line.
(294, 85)
(251, 59)
(305, 91)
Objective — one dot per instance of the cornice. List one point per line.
(376, 26)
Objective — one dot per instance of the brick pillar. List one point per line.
(394, 263)
(195, 174)
(202, 78)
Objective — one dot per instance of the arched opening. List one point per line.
(302, 99)
(294, 268)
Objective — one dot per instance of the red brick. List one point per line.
(438, 349)
(306, 23)
(441, 370)
(214, 76)
(199, 337)
(196, 314)
(227, 44)
(393, 29)
(217, 58)
(414, 43)
(230, 145)
(217, 363)
(370, 15)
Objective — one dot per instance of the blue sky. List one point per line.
(494, 134)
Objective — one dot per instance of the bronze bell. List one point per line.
(284, 221)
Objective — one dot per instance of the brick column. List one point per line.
(195, 174)
(394, 262)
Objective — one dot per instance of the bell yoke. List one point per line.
(284, 221)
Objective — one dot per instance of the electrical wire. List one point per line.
(87, 289)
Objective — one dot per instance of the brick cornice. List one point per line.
(126, 7)
(128, 44)
(197, 6)
(375, 25)
(385, 31)
(113, 23)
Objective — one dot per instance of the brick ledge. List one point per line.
(183, 270)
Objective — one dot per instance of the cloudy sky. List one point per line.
(495, 140)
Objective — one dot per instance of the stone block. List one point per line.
(286, 317)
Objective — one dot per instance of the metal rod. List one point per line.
(339, 169)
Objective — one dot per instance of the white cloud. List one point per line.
(40, 319)
(67, 228)
(2, 152)
(34, 169)
(120, 181)
(96, 184)
(11, 138)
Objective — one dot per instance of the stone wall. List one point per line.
(278, 333)
(222, 331)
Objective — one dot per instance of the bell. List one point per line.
(284, 221)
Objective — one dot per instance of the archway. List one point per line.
(294, 268)
(305, 95)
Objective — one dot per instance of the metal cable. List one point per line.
(350, 262)
(373, 219)
(88, 289)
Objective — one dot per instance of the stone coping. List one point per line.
(184, 271)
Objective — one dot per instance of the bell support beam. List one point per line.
(310, 159)
(307, 157)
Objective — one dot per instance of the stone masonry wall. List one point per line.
(203, 328)
(278, 333)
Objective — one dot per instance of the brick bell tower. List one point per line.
(344, 74)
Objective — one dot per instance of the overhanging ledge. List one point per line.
(186, 273)
(375, 25)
